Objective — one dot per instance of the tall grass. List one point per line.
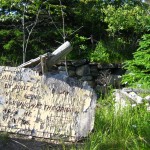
(127, 129)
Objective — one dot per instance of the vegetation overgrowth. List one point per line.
(103, 31)
(138, 68)
(126, 129)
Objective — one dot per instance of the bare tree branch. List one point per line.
(63, 21)
(76, 31)
(54, 22)
(30, 32)
(32, 25)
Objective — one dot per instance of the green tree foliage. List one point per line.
(126, 25)
(10, 47)
(127, 18)
(85, 23)
(47, 33)
(139, 67)
(100, 54)
(18, 18)
(118, 24)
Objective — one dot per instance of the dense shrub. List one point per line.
(100, 54)
(139, 67)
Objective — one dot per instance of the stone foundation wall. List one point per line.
(99, 76)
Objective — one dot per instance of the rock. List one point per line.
(71, 73)
(135, 97)
(30, 137)
(148, 108)
(125, 97)
(93, 64)
(91, 83)
(94, 71)
(147, 98)
(117, 71)
(62, 68)
(63, 63)
(106, 66)
(49, 106)
(86, 78)
(70, 70)
(79, 62)
(120, 100)
(83, 70)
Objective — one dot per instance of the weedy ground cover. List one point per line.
(127, 129)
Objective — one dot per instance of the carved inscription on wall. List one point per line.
(44, 106)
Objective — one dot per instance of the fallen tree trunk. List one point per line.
(50, 58)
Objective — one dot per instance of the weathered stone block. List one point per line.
(106, 66)
(79, 62)
(71, 73)
(94, 71)
(62, 68)
(83, 70)
(127, 97)
(86, 78)
(91, 83)
(49, 106)
(147, 98)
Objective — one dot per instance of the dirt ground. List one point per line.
(18, 142)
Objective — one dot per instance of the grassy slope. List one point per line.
(128, 129)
